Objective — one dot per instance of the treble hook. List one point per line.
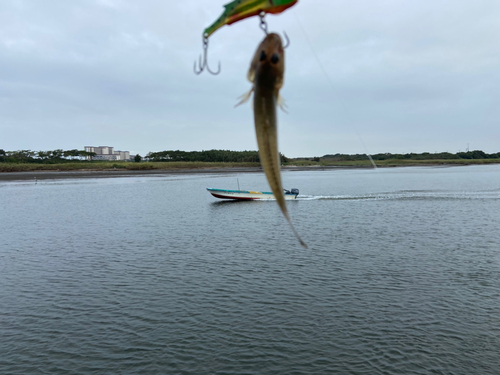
(263, 26)
(204, 64)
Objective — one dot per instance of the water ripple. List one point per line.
(112, 277)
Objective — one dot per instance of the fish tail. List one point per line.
(302, 243)
(282, 204)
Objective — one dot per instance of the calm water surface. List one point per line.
(151, 275)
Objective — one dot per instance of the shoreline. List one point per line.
(116, 173)
(112, 173)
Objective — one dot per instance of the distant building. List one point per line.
(107, 153)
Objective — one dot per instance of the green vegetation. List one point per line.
(393, 160)
(59, 160)
(389, 162)
(477, 154)
(204, 156)
(213, 156)
(44, 157)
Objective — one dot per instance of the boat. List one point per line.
(250, 195)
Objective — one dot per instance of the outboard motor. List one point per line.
(295, 191)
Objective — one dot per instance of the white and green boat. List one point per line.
(250, 195)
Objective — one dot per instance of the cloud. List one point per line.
(406, 76)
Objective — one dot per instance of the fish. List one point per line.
(266, 73)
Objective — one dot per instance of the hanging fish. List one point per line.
(266, 73)
(241, 9)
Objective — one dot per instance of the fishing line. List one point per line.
(333, 86)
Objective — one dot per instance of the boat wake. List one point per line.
(407, 195)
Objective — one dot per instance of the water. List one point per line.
(151, 275)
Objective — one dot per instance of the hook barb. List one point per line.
(287, 40)
(200, 70)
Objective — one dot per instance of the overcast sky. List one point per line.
(404, 76)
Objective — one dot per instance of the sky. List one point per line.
(362, 76)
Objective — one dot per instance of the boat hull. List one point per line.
(246, 195)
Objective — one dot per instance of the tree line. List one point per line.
(61, 156)
(49, 157)
(476, 154)
(219, 156)
(223, 156)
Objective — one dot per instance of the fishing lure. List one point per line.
(236, 11)
(240, 9)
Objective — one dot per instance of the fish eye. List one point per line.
(263, 56)
(275, 58)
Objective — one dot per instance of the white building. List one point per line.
(107, 153)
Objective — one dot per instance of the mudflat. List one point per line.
(75, 174)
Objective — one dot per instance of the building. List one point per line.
(107, 153)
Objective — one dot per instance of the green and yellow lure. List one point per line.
(236, 11)
(240, 9)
